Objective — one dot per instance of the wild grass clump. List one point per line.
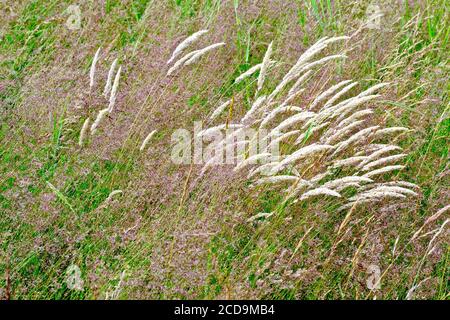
(349, 184)
(317, 136)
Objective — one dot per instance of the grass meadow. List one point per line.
(92, 205)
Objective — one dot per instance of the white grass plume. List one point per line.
(252, 160)
(383, 170)
(99, 118)
(311, 52)
(112, 194)
(202, 52)
(431, 219)
(110, 76)
(209, 131)
(372, 89)
(396, 183)
(376, 155)
(436, 216)
(377, 194)
(301, 80)
(383, 161)
(299, 154)
(310, 132)
(264, 66)
(281, 138)
(255, 106)
(372, 198)
(343, 132)
(277, 111)
(357, 137)
(278, 88)
(339, 94)
(371, 147)
(112, 98)
(320, 176)
(352, 161)
(346, 180)
(327, 92)
(220, 109)
(260, 215)
(93, 65)
(181, 62)
(83, 131)
(185, 43)
(387, 131)
(248, 73)
(299, 117)
(410, 294)
(396, 189)
(343, 110)
(319, 191)
(355, 116)
(319, 62)
(436, 235)
(263, 169)
(146, 140)
(251, 71)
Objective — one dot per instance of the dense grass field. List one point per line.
(95, 214)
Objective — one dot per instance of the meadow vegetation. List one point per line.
(105, 196)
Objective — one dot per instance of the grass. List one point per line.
(172, 235)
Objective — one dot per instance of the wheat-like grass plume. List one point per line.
(186, 43)
(299, 154)
(376, 154)
(277, 111)
(383, 161)
(354, 117)
(299, 117)
(83, 131)
(255, 106)
(93, 67)
(112, 98)
(332, 133)
(320, 191)
(112, 194)
(264, 66)
(146, 140)
(327, 93)
(250, 160)
(108, 84)
(217, 112)
(387, 131)
(346, 180)
(298, 83)
(383, 170)
(102, 113)
(179, 63)
(200, 53)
